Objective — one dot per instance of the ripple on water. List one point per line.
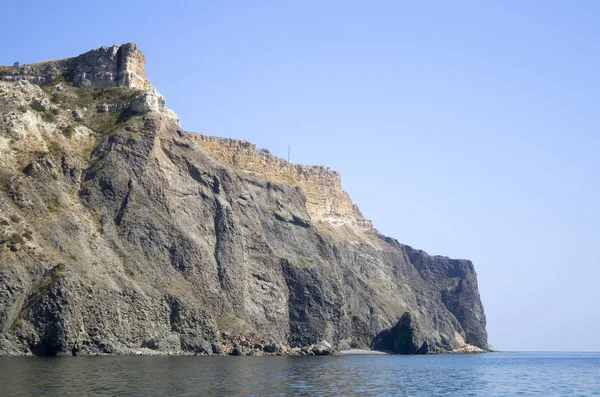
(497, 374)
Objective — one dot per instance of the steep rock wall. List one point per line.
(138, 236)
(101, 68)
(326, 201)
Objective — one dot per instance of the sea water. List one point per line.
(491, 374)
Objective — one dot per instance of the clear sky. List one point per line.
(467, 129)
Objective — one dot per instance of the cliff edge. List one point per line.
(120, 233)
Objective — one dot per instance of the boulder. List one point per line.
(237, 350)
(271, 347)
(322, 348)
(217, 348)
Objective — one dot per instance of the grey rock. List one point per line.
(44, 103)
(151, 242)
(217, 348)
(271, 347)
(322, 348)
(237, 350)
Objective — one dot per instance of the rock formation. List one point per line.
(120, 233)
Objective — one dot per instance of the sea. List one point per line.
(491, 374)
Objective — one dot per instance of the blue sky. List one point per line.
(467, 129)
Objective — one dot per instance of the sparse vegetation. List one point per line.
(54, 148)
(125, 115)
(305, 262)
(16, 239)
(15, 219)
(49, 279)
(73, 257)
(22, 109)
(4, 222)
(110, 121)
(230, 324)
(60, 78)
(56, 97)
(115, 94)
(35, 105)
(48, 116)
(67, 130)
(84, 98)
(51, 208)
(265, 151)
(28, 235)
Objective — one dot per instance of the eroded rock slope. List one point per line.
(122, 233)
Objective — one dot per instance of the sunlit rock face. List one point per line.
(326, 201)
(115, 66)
(120, 233)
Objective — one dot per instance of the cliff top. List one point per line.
(112, 67)
(105, 67)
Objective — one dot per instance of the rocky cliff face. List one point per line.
(326, 201)
(121, 233)
(101, 68)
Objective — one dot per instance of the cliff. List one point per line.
(122, 233)
(326, 201)
(102, 68)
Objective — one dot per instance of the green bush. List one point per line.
(48, 116)
(35, 105)
(84, 97)
(16, 239)
(125, 115)
(60, 78)
(67, 130)
(115, 94)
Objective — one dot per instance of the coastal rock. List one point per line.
(237, 350)
(124, 233)
(322, 348)
(271, 347)
(217, 348)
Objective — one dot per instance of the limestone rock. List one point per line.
(149, 101)
(44, 103)
(322, 348)
(126, 234)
